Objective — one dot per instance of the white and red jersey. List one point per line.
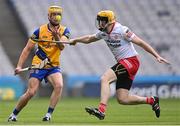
(120, 46)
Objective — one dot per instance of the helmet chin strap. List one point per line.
(105, 27)
(53, 24)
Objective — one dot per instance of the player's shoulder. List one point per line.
(120, 28)
(64, 28)
(44, 25)
(65, 31)
(101, 33)
(39, 29)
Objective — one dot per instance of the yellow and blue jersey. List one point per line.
(47, 49)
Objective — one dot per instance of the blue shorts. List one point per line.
(41, 74)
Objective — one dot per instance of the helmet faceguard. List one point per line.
(104, 19)
(101, 23)
(55, 15)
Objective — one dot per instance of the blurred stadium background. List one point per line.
(157, 21)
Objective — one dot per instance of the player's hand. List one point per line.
(55, 33)
(17, 70)
(162, 60)
(72, 42)
(61, 46)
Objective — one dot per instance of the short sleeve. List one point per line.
(67, 33)
(35, 35)
(127, 33)
(98, 35)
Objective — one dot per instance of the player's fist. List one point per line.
(72, 42)
(61, 46)
(17, 70)
(55, 33)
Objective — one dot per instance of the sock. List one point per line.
(149, 100)
(102, 107)
(50, 110)
(48, 115)
(15, 112)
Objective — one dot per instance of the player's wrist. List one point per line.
(18, 67)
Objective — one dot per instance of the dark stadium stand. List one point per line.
(11, 34)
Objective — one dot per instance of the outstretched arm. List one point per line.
(84, 39)
(138, 41)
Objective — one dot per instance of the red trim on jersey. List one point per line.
(112, 28)
(131, 64)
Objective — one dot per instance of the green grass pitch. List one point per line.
(70, 111)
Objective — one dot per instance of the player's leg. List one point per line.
(57, 82)
(108, 77)
(32, 88)
(123, 85)
(125, 98)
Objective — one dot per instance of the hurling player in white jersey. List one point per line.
(120, 41)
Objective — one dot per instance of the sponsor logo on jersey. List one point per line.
(114, 43)
(44, 37)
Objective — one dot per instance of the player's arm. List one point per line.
(84, 39)
(24, 54)
(138, 41)
(27, 49)
(64, 38)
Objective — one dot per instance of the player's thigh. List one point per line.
(33, 84)
(122, 93)
(109, 76)
(56, 79)
(123, 78)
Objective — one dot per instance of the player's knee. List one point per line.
(30, 93)
(58, 86)
(122, 100)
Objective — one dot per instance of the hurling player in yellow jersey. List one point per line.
(46, 51)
